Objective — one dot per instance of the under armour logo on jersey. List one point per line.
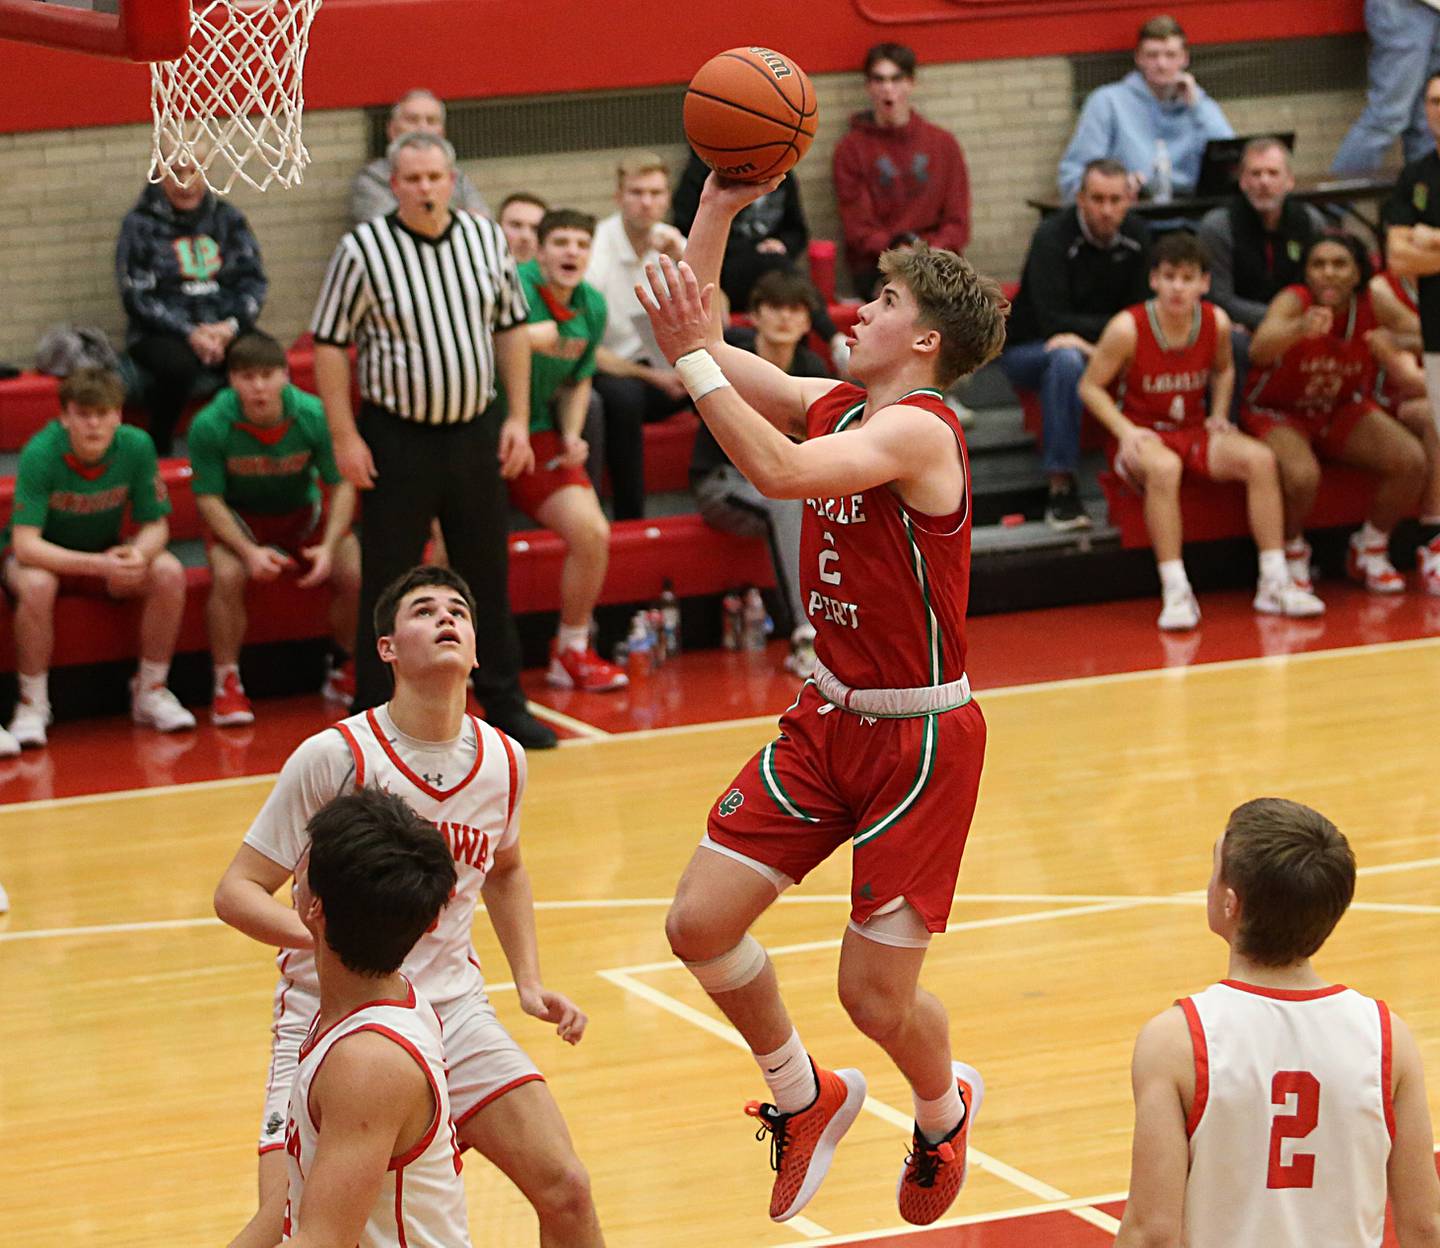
(731, 802)
(273, 1124)
(869, 719)
(867, 892)
(433, 781)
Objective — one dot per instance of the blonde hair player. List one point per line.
(882, 749)
(467, 778)
(1273, 1108)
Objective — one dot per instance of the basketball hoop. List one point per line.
(231, 107)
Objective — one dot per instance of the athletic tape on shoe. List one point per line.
(730, 970)
(700, 373)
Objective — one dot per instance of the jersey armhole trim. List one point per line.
(355, 752)
(514, 770)
(1387, 1069)
(1202, 1066)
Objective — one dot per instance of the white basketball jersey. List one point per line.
(474, 815)
(1292, 1122)
(422, 1199)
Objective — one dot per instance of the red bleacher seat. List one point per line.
(1211, 511)
(27, 403)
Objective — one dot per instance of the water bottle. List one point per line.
(730, 621)
(1162, 186)
(641, 649)
(754, 620)
(655, 630)
(670, 616)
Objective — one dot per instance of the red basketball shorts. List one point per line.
(1327, 432)
(1192, 445)
(531, 490)
(901, 792)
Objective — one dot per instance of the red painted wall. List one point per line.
(369, 51)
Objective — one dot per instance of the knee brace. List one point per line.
(730, 970)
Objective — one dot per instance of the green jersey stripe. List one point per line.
(932, 625)
(922, 778)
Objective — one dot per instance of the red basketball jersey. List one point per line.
(1318, 375)
(885, 587)
(1165, 385)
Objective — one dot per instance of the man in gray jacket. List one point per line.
(370, 194)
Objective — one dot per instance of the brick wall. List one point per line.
(63, 193)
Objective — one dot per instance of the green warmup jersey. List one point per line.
(550, 373)
(82, 506)
(266, 470)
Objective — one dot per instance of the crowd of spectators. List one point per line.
(443, 444)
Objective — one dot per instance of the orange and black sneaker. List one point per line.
(935, 1173)
(802, 1143)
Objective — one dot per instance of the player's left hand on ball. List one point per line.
(679, 310)
(555, 1007)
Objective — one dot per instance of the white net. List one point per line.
(232, 106)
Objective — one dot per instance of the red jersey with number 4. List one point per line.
(1317, 375)
(1292, 1122)
(1166, 384)
(885, 587)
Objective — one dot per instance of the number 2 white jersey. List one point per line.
(421, 1203)
(1292, 1121)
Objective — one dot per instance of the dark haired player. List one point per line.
(368, 1137)
(1274, 1108)
(467, 778)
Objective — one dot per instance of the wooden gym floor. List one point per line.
(135, 1037)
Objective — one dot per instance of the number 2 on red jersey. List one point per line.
(1300, 1170)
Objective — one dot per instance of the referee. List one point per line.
(431, 300)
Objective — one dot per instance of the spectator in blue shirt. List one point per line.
(1157, 103)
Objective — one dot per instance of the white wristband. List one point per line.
(700, 373)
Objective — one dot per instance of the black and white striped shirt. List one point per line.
(422, 314)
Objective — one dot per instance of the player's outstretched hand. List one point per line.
(732, 196)
(679, 310)
(555, 1007)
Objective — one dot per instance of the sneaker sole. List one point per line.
(1067, 526)
(236, 719)
(824, 1152)
(148, 721)
(975, 1081)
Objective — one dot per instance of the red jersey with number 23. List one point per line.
(1292, 1120)
(1165, 386)
(1317, 375)
(884, 586)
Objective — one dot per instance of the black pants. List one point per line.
(175, 373)
(629, 405)
(449, 471)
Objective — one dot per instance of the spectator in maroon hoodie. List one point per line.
(898, 178)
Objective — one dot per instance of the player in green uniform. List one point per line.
(77, 478)
(259, 450)
(567, 318)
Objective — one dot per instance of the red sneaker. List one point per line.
(802, 1143)
(339, 682)
(583, 669)
(935, 1173)
(1371, 566)
(230, 707)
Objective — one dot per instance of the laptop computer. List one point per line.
(1220, 165)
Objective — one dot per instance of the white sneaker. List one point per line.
(29, 722)
(801, 659)
(1297, 558)
(1287, 599)
(4, 900)
(1179, 612)
(1429, 557)
(1371, 566)
(9, 747)
(158, 708)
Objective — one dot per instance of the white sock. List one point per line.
(1295, 547)
(223, 670)
(35, 689)
(937, 1118)
(1369, 535)
(1273, 569)
(789, 1075)
(152, 674)
(1173, 581)
(572, 637)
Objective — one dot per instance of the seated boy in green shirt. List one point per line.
(77, 478)
(259, 451)
(567, 317)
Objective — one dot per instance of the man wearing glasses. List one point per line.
(898, 177)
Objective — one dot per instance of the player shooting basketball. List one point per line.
(883, 748)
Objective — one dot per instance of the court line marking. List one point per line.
(886, 1113)
(974, 1219)
(569, 722)
(594, 735)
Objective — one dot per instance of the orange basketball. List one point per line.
(750, 113)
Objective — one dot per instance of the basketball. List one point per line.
(750, 113)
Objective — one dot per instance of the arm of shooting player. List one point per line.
(365, 1098)
(1160, 1160)
(510, 903)
(897, 444)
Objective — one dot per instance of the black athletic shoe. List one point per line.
(1064, 511)
(524, 728)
